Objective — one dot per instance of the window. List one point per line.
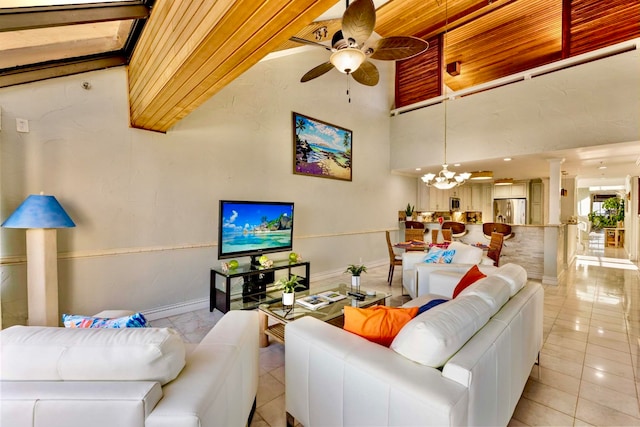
(40, 39)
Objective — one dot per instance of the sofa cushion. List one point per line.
(515, 275)
(432, 337)
(492, 289)
(470, 277)
(440, 256)
(466, 254)
(53, 354)
(379, 324)
(135, 320)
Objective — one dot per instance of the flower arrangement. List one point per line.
(265, 262)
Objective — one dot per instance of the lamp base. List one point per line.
(42, 277)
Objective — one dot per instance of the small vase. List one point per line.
(288, 298)
(355, 283)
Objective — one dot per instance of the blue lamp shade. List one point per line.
(39, 211)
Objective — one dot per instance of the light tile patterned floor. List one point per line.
(589, 372)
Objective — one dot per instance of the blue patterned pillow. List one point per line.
(136, 320)
(447, 256)
(438, 256)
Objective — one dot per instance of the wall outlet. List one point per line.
(22, 125)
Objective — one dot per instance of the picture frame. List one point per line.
(321, 149)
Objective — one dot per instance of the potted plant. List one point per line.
(356, 271)
(409, 211)
(288, 285)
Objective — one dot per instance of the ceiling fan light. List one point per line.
(347, 60)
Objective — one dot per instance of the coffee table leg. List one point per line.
(264, 323)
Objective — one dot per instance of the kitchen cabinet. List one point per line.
(438, 199)
(536, 203)
(517, 190)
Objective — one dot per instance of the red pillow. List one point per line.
(379, 324)
(473, 275)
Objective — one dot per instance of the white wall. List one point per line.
(586, 105)
(146, 204)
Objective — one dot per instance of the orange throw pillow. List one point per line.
(473, 275)
(379, 324)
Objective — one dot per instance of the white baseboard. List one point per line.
(175, 309)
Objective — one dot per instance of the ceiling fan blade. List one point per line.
(398, 47)
(317, 71)
(358, 21)
(309, 42)
(366, 74)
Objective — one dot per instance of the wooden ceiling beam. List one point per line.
(190, 49)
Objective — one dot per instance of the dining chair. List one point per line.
(495, 247)
(414, 234)
(434, 236)
(394, 259)
(446, 234)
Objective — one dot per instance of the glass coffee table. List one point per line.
(331, 313)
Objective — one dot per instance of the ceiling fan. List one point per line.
(353, 46)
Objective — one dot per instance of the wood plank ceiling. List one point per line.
(190, 49)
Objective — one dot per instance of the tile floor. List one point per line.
(589, 372)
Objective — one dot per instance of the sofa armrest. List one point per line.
(334, 377)
(219, 383)
(409, 261)
(77, 403)
(438, 287)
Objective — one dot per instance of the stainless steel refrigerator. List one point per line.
(510, 211)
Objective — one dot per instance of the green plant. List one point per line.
(614, 208)
(356, 270)
(289, 284)
(409, 210)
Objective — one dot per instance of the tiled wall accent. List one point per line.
(525, 248)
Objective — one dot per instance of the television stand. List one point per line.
(257, 286)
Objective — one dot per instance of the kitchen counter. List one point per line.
(544, 251)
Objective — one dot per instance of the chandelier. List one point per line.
(445, 179)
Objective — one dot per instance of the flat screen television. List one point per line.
(252, 228)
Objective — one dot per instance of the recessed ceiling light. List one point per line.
(418, 169)
(456, 164)
(507, 159)
(602, 167)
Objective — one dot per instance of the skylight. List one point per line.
(41, 39)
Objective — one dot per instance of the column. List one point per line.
(555, 177)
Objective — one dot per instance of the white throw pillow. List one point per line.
(432, 337)
(465, 254)
(53, 354)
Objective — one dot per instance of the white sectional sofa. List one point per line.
(463, 362)
(416, 273)
(54, 377)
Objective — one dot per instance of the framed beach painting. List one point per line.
(321, 149)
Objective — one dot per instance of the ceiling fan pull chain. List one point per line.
(348, 87)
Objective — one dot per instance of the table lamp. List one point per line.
(41, 215)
